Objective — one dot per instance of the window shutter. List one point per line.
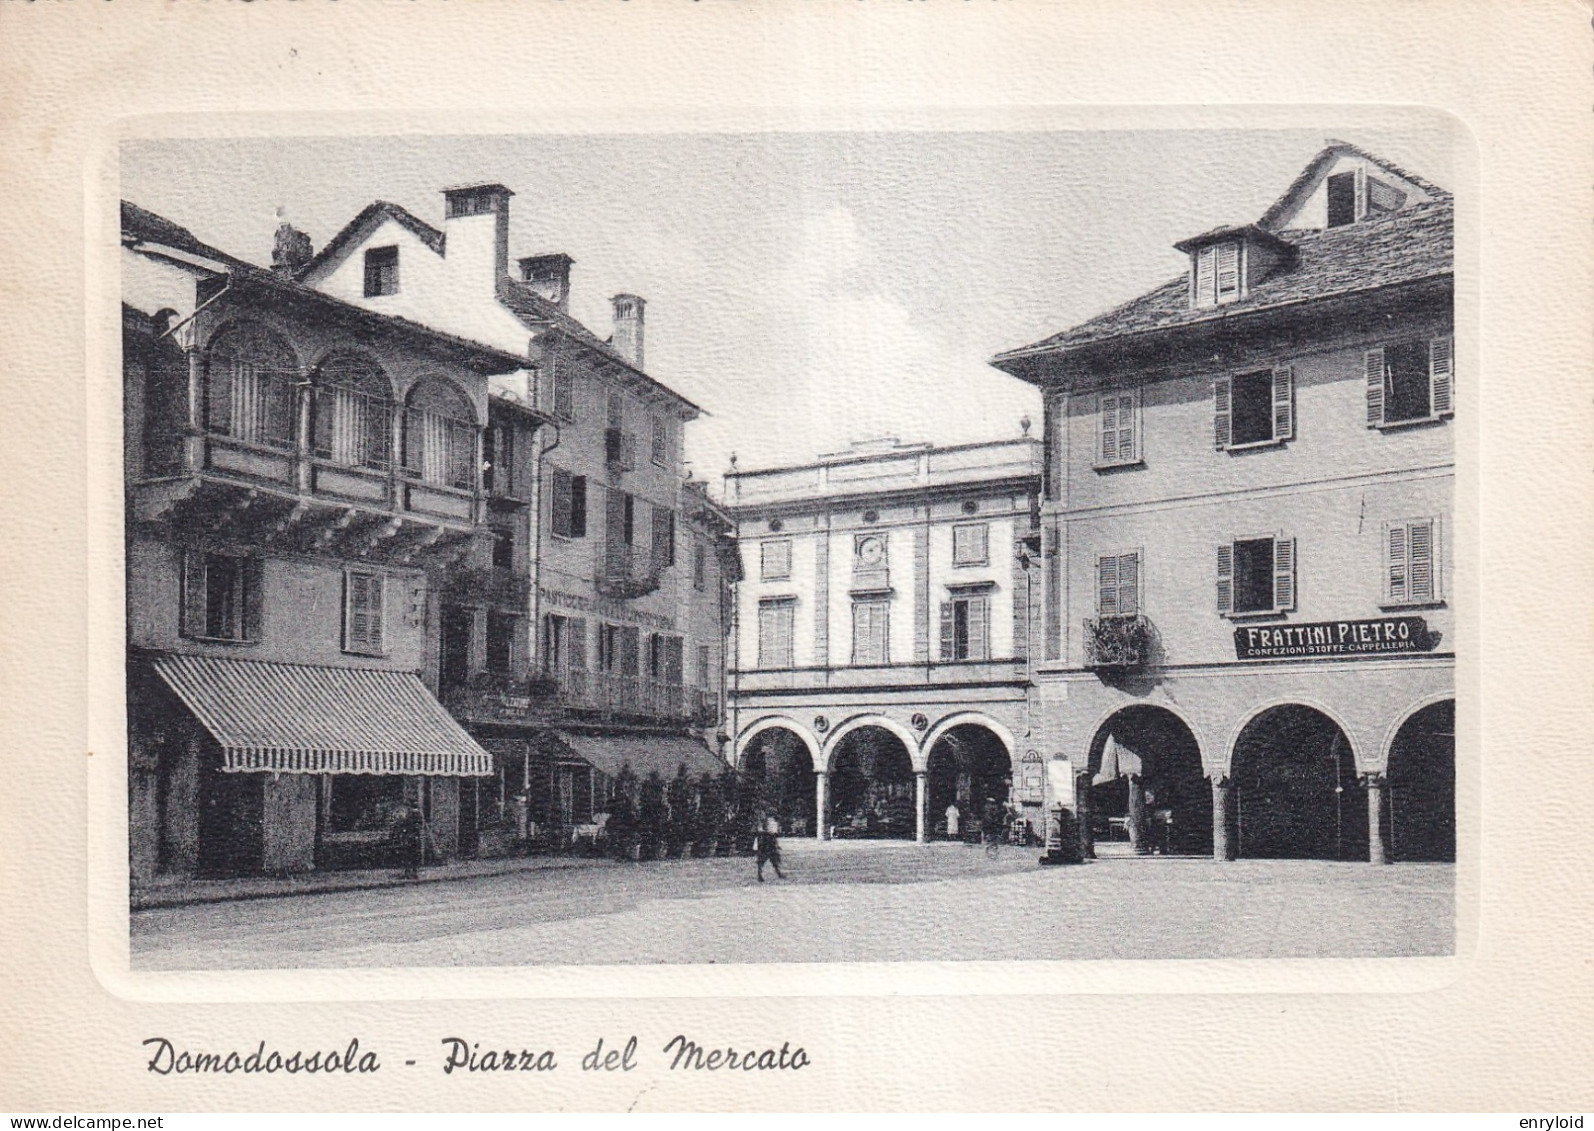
(1420, 554)
(1107, 586)
(614, 544)
(946, 632)
(1109, 429)
(576, 642)
(1226, 578)
(1397, 588)
(979, 628)
(981, 537)
(563, 503)
(1127, 417)
(193, 595)
(1441, 367)
(1129, 585)
(1373, 371)
(1283, 403)
(1283, 574)
(1205, 264)
(254, 576)
(1222, 411)
(578, 506)
(1228, 271)
(354, 618)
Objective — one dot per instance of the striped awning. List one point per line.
(662, 754)
(312, 719)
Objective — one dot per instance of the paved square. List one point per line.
(847, 903)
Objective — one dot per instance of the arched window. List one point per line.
(353, 412)
(249, 381)
(440, 436)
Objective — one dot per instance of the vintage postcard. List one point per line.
(585, 602)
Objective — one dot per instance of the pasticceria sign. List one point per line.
(1333, 638)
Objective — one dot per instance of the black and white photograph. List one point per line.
(791, 547)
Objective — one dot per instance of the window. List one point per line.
(663, 537)
(381, 271)
(664, 657)
(1256, 575)
(1342, 199)
(503, 546)
(498, 461)
(871, 631)
(775, 620)
(221, 597)
(362, 612)
(353, 414)
(250, 374)
(619, 533)
(661, 441)
(965, 622)
(1118, 585)
(619, 649)
(1411, 562)
(705, 666)
(1254, 408)
(502, 630)
(569, 504)
(971, 544)
(440, 437)
(1118, 429)
(564, 645)
(564, 392)
(775, 559)
(1217, 274)
(1409, 381)
(699, 566)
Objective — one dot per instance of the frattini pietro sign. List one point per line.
(1333, 638)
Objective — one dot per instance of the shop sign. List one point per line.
(1032, 779)
(1333, 638)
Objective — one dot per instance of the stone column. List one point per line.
(921, 806)
(1087, 839)
(822, 803)
(1139, 840)
(1376, 852)
(1223, 846)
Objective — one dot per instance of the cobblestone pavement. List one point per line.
(852, 903)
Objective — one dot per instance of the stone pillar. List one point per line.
(822, 803)
(288, 823)
(1087, 839)
(1223, 846)
(1376, 852)
(1139, 839)
(921, 806)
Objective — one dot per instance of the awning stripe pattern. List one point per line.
(317, 719)
(665, 754)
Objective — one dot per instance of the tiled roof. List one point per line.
(1403, 247)
(140, 224)
(377, 209)
(1326, 156)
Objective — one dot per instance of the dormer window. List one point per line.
(381, 271)
(1355, 194)
(1218, 270)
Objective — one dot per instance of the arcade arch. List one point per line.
(1294, 787)
(1421, 802)
(969, 776)
(1146, 785)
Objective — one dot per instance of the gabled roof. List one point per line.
(537, 313)
(1402, 247)
(369, 216)
(1326, 157)
(142, 225)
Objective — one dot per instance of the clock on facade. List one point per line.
(871, 550)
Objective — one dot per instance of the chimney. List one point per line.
(628, 327)
(549, 276)
(476, 233)
(290, 251)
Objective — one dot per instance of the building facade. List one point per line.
(302, 477)
(1246, 643)
(591, 637)
(881, 636)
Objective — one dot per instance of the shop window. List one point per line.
(381, 271)
(775, 560)
(1409, 382)
(971, 544)
(1118, 429)
(1254, 408)
(871, 631)
(363, 802)
(1118, 585)
(569, 504)
(1256, 575)
(363, 612)
(775, 623)
(965, 628)
(221, 597)
(1411, 562)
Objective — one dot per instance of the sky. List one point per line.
(807, 290)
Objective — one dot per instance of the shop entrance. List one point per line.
(1422, 786)
(1296, 794)
(1148, 790)
(970, 780)
(871, 786)
(231, 809)
(778, 777)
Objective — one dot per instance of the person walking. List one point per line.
(768, 847)
(407, 840)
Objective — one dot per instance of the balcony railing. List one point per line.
(1118, 643)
